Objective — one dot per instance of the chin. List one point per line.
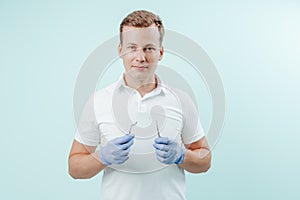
(140, 77)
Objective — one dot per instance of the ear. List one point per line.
(120, 50)
(161, 53)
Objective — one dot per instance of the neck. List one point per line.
(142, 86)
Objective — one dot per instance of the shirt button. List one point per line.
(142, 107)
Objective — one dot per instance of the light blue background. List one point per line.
(254, 44)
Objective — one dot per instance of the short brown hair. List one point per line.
(143, 18)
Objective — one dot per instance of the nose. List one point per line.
(140, 55)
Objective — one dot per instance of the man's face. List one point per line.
(140, 51)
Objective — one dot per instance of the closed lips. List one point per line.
(139, 66)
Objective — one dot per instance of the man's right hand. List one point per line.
(116, 151)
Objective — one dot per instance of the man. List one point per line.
(137, 164)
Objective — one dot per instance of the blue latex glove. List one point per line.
(116, 151)
(168, 151)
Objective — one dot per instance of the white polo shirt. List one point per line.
(110, 112)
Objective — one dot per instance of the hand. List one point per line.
(168, 151)
(116, 151)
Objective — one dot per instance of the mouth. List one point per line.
(140, 67)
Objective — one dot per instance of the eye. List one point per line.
(149, 49)
(131, 48)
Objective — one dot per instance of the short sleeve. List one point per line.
(192, 130)
(87, 129)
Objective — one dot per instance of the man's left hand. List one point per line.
(168, 151)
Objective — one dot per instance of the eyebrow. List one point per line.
(147, 45)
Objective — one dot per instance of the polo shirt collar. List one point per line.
(161, 87)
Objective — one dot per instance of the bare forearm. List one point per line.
(82, 166)
(196, 161)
